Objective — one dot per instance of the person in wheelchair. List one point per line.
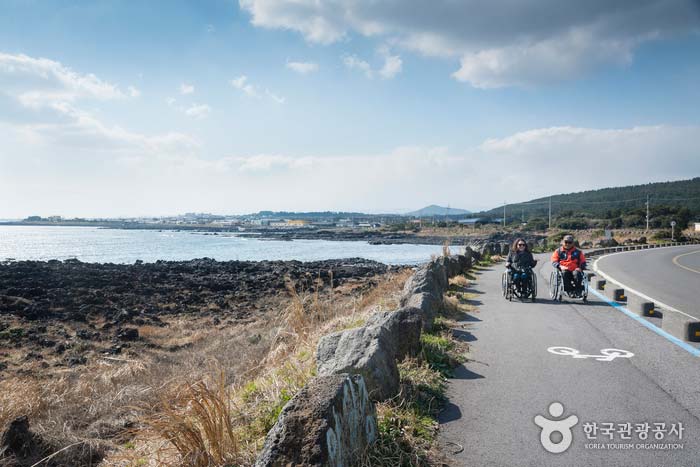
(519, 264)
(571, 262)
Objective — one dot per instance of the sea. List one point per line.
(100, 245)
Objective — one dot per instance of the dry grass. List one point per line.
(220, 420)
(460, 281)
(446, 248)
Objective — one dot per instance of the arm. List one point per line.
(555, 258)
(582, 261)
(533, 261)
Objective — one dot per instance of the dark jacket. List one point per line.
(521, 259)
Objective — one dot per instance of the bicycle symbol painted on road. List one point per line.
(606, 355)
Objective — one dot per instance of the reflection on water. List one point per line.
(91, 244)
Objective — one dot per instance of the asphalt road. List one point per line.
(668, 275)
(512, 378)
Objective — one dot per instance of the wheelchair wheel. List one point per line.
(555, 285)
(584, 283)
(533, 286)
(504, 284)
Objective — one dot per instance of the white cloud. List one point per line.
(170, 174)
(275, 97)
(37, 82)
(241, 83)
(392, 66)
(352, 62)
(498, 43)
(186, 88)
(303, 68)
(50, 94)
(80, 130)
(198, 111)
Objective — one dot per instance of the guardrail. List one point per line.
(681, 324)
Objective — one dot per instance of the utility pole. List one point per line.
(647, 230)
(504, 214)
(523, 211)
(550, 213)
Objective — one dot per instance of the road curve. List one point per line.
(668, 275)
(512, 377)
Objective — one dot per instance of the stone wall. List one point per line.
(333, 418)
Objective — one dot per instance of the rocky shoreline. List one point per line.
(57, 311)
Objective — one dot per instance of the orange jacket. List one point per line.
(569, 259)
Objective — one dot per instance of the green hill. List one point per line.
(611, 207)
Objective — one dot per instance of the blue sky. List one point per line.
(150, 108)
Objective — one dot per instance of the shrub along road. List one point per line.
(512, 378)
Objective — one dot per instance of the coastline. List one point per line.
(372, 236)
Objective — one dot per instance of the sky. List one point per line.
(118, 108)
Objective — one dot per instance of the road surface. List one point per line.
(668, 275)
(512, 378)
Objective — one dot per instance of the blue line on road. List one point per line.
(683, 345)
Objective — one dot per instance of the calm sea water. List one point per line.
(94, 245)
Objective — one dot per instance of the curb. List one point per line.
(677, 323)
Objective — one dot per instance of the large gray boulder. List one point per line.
(428, 304)
(465, 261)
(431, 278)
(327, 423)
(452, 265)
(403, 328)
(368, 351)
(472, 254)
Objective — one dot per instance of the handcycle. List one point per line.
(557, 288)
(522, 286)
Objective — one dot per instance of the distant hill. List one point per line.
(621, 206)
(434, 210)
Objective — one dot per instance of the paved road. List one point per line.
(669, 275)
(512, 378)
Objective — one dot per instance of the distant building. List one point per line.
(261, 221)
(297, 222)
(471, 222)
(326, 224)
(697, 226)
(226, 222)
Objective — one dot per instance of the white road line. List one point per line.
(630, 289)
